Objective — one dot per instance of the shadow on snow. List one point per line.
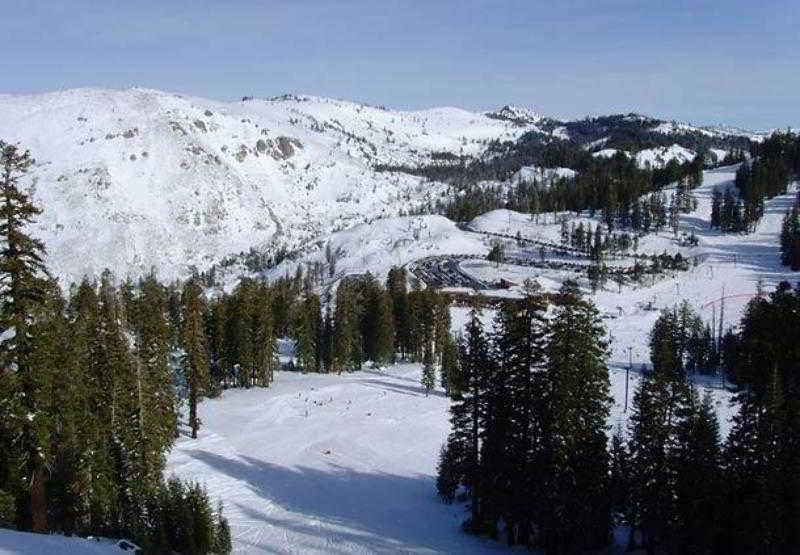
(377, 511)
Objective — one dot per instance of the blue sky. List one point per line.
(729, 61)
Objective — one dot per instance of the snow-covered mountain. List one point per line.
(136, 179)
(139, 178)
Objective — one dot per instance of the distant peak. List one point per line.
(288, 97)
(516, 114)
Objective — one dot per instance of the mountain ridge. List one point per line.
(136, 179)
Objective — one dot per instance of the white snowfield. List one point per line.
(658, 157)
(518, 114)
(732, 264)
(22, 543)
(139, 179)
(661, 156)
(338, 464)
(136, 179)
(334, 464)
(379, 245)
(608, 153)
(545, 176)
(329, 464)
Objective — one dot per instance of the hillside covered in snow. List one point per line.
(134, 179)
(139, 179)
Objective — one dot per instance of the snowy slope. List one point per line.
(660, 156)
(22, 543)
(140, 178)
(713, 131)
(606, 153)
(336, 464)
(329, 464)
(379, 245)
(544, 176)
(343, 464)
(721, 130)
(729, 263)
(670, 128)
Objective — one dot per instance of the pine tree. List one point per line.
(450, 372)
(580, 513)
(92, 335)
(384, 331)
(86, 405)
(761, 454)
(263, 325)
(785, 239)
(441, 323)
(61, 400)
(619, 485)
(674, 213)
(22, 290)
(649, 494)
(659, 405)
(196, 359)
(428, 371)
(743, 471)
(497, 469)
(147, 313)
(519, 352)
(468, 415)
(222, 542)
(308, 333)
(448, 471)
(396, 285)
(696, 462)
(345, 340)
(240, 335)
(119, 405)
(214, 319)
(790, 239)
(665, 339)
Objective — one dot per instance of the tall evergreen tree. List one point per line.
(196, 359)
(696, 459)
(22, 290)
(519, 352)
(156, 404)
(468, 416)
(450, 372)
(619, 485)
(580, 512)
(428, 379)
(308, 333)
(396, 285)
(660, 404)
(345, 340)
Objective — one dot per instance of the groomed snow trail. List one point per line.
(329, 464)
